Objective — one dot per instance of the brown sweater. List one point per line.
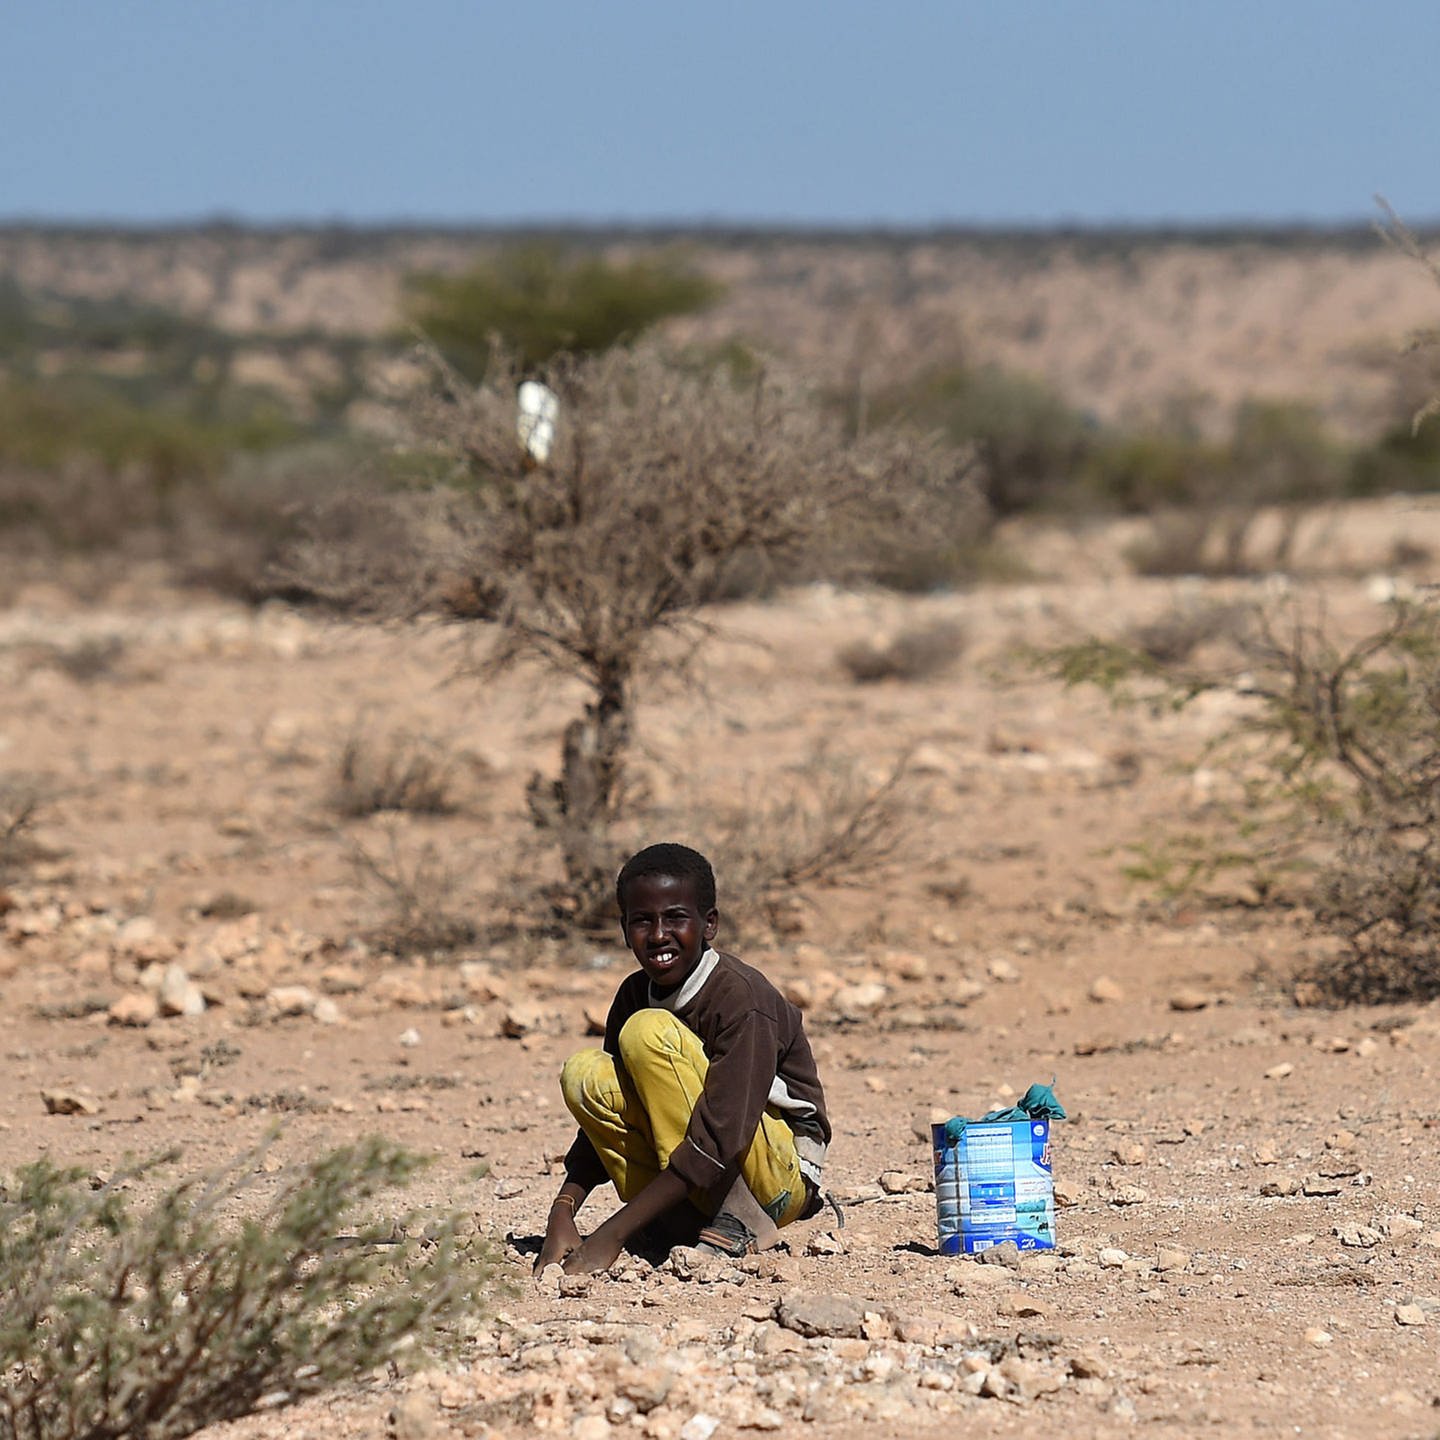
(759, 1057)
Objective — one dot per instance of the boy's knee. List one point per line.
(647, 1031)
(581, 1076)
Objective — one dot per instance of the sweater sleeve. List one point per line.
(737, 1087)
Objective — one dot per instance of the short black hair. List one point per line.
(666, 859)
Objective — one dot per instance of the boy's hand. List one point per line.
(562, 1239)
(599, 1252)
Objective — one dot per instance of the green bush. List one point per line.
(158, 1321)
(1029, 443)
(1336, 752)
(538, 302)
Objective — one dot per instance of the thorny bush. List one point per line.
(154, 1322)
(1339, 750)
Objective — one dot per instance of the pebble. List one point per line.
(699, 1426)
(1281, 1185)
(809, 1313)
(1104, 991)
(179, 994)
(1318, 1337)
(409, 1038)
(898, 1182)
(69, 1102)
(1170, 1257)
(1188, 999)
(1001, 970)
(138, 1009)
(1409, 1315)
(1358, 1237)
(1129, 1195)
(1280, 1071)
(1111, 1258)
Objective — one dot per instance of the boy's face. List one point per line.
(664, 928)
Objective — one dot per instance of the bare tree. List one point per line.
(660, 477)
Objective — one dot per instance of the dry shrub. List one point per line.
(1174, 637)
(830, 822)
(661, 477)
(22, 803)
(94, 658)
(918, 652)
(157, 1322)
(427, 895)
(1338, 748)
(402, 771)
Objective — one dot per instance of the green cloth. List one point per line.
(1039, 1102)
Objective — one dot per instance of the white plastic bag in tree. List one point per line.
(535, 424)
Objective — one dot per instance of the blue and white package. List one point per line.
(994, 1184)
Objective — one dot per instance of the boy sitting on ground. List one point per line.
(704, 1106)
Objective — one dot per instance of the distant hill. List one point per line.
(1129, 325)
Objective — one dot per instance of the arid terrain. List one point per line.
(1248, 1241)
(1128, 327)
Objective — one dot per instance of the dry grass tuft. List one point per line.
(918, 652)
(402, 771)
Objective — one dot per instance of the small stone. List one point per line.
(1003, 971)
(524, 1017)
(327, 1012)
(1129, 1195)
(1104, 991)
(510, 1189)
(1340, 1140)
(1264, 1154)
(591, 1427)
(1318, 1337)
(826, 1242)
(573, 1287)
(699, 1426)
(179, 995)
(409, 1038)
(1024, 1306)
(1280, 1071)
(810, 1314)
(1128, 1152)
(69, 1102)
(1189, 999)
(1171, 1257)
(1320, 1186)
(139, 1008)
(1358, 1237)
(1111, 1258)
(1393, 1227)
(1281, 1185)
(898, 1182)
(863, 998)
(290, 1000)
(1409, 1315)
(1006, 1253)
(1367, 1047)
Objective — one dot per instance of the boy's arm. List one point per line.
(602, 1249)
(562, 1237)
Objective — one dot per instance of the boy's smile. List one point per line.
(664, 928)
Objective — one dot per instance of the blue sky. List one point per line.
(837, 113)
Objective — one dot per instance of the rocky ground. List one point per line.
(1247, 1235)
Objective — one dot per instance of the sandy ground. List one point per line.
(1248, 1237)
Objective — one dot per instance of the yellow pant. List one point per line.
(638, 1111)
